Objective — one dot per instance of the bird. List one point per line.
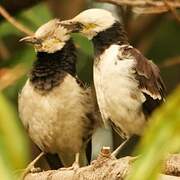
(128, 85)
(57, 110)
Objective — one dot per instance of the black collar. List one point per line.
(50, 68)
(113, 35)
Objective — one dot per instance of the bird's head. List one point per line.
(90, 22)
(50, 37)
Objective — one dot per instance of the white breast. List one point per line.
(117, 91)
(56, 121)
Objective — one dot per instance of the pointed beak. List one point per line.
(30, 39)
(72, 26)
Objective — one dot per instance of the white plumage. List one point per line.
(57, 121)
(115, 86)
(49, 118)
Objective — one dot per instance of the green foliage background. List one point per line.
(163, 132)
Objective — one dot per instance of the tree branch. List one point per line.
(173, 10)
(14, 7)
(170, 62)
(14, 22)
(106, 167)
(4, 52)
(145, 7)
(9, 76)
(142, 3)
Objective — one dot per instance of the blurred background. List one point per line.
(153, 30)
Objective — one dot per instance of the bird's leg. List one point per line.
(76, 162)
(116, 151)
(31, 168)
(75, 165)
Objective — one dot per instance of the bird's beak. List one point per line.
(31, 39)
(72, 26)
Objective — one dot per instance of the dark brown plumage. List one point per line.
(147, 74)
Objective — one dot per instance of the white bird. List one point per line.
(128, 85)
(58, 112)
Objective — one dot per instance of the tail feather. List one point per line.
(69, 158)
(83, 161)
(53, 161)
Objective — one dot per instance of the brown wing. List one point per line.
(150, 81)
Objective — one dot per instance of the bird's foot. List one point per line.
(35, 170)
(74, 167)
(30, 168)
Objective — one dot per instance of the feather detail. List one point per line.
(148, 76)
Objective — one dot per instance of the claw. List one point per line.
(30, 168)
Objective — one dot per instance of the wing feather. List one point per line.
(148, 76)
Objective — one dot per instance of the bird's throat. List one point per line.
(49, 70)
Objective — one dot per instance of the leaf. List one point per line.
(160, 138)
(12, 137)
(5, 172)
(85, 59)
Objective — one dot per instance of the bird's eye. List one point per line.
(39, 41)
(78, 26)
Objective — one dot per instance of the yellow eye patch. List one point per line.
(90, 26)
